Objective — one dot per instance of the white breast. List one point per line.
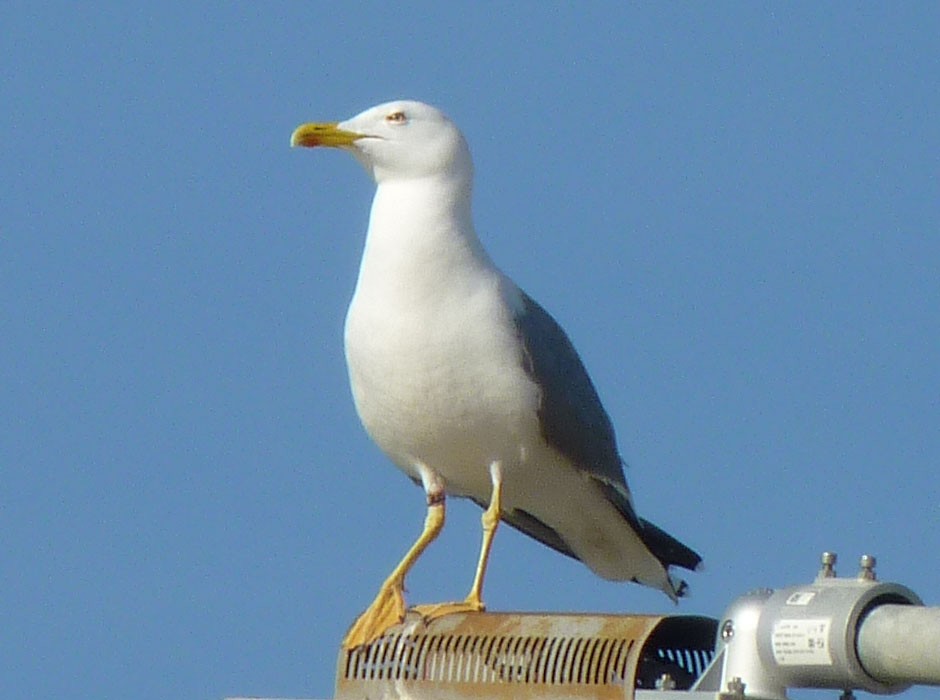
(434, 363)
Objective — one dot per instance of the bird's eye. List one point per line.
(396, 118)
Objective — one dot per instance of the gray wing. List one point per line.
(574, 422)
(571, 417)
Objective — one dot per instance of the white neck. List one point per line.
(421, 238)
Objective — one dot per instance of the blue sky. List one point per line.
(733, 210)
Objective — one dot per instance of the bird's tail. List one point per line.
(666, 548)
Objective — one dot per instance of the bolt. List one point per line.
(727, 630)
(828, 565)
(867, 570)
(736, 686)
(665, 682)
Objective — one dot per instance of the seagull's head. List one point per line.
(398, 140)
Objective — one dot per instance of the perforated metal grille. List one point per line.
(526, 655)
(486, 659)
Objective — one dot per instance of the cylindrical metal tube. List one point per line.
(900, 644)
(806, 636)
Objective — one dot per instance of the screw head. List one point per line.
(828, 565)
(867, 567)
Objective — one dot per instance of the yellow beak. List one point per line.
(328, 134)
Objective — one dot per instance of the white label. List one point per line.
(801, 598)
(802, 642)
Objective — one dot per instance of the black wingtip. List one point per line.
(669, 550)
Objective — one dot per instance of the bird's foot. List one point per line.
(387, 610)
(435, 610)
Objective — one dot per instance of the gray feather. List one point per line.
(574, 422)
(571, 416)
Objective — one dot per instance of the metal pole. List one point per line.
(900, 644)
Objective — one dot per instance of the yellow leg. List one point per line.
(490, 523)
(388, 608)
(474, 600)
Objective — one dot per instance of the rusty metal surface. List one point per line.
(499, 655)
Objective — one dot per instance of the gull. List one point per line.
(466, 383)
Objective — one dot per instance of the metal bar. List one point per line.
(900, 644)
